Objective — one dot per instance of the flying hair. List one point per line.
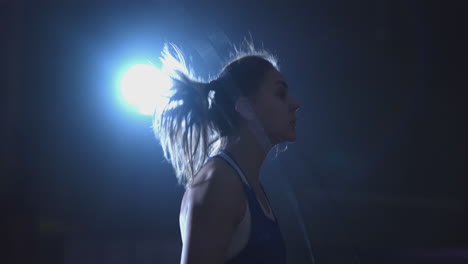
(199, 120)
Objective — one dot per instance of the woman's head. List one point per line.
(202, 118)
(275, 108)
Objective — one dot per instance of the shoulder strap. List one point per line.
(224, 155)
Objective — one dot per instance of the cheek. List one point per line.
(273, 114)
(274, 118)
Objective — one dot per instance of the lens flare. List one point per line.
(145, 87)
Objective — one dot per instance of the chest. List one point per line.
(263, 201)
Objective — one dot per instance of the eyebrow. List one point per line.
(282, 83)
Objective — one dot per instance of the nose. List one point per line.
(294, 106)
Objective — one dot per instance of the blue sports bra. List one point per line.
(265, 243)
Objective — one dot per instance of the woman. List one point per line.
(216, 136)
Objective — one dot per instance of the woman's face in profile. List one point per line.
(276, 109)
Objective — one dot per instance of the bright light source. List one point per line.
(145, 87)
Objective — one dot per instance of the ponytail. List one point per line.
(186, 134)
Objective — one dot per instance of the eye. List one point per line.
(282, 94)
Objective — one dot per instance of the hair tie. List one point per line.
(213, 85)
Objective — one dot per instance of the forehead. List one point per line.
(272, 77)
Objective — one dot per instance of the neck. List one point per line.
(250, 154)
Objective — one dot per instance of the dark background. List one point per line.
(379, 167)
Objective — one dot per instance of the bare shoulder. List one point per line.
(210, 211)
(216, 184)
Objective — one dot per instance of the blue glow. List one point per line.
(145, 87)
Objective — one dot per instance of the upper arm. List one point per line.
(209, 219)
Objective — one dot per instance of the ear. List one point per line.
(245, 108)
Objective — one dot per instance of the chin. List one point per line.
(287, 138)
(291, 136)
